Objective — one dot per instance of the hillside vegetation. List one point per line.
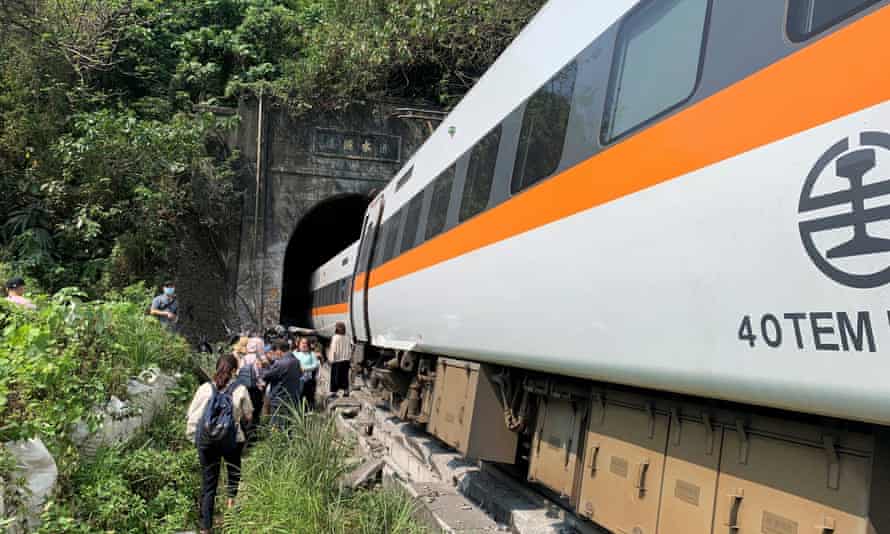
(106, 156)
(102, 157)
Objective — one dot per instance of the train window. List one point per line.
(365, 248)
(439, 202)
(412, 219)
(404, 179)
(656, 65)
(543, 131)
(381, 240)
(480, 174)
(389, 251)
(809, 17)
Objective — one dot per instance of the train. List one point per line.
(646, 258)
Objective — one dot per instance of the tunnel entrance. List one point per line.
(325, 230)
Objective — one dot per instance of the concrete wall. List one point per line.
(301, 163)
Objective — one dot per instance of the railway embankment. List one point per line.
(453, 494)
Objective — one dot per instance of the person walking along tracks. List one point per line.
(282, 380)
(340, 355)
(250, 375)
(214, 421)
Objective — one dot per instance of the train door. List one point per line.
(358, 305)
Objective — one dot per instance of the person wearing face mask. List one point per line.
(309, 366)
(165, 307)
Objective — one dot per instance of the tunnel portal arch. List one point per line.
(327, 228)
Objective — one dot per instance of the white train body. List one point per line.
(672, 203)
(330, 284)
(650, 282)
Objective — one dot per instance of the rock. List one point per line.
(121, 420)
(136, 388)
(37, 466)
(116, 408)
(365, 472)
(349, 413)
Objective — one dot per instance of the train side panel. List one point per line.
(331, 285)
(700, 284)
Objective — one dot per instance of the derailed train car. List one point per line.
(330, 285)
(648, 254)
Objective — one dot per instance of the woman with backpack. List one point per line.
(250, 369)
(214, 421)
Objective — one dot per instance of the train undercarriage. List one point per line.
(646, 462)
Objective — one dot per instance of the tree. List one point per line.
(102, 157)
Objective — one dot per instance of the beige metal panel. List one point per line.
(690, 476)
(880, 489)
(775, 486)
(624, 464)
(808, 432)
(467, 413)
(451, 400)
(555, 445)
(489, 438)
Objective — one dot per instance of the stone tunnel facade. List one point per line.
(306, 182)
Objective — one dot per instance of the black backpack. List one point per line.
(217, 427)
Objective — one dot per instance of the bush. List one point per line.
(57, 365)
(290, 484)
(150, 485)
(61, 361)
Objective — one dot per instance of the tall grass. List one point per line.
(290, 485)
(141, 340)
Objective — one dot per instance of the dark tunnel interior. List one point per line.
(326, 230)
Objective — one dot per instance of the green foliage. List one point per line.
(290, 485)
(431, 50)
(69, 356)
(118, 190)
(60, 362)
(101, 158)
(150, 485)
(12, 490)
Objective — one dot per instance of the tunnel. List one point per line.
(328, 227)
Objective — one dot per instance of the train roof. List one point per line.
(556, 35)
(340, 266)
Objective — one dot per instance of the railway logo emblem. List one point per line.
(845, 211)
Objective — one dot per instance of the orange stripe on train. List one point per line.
(792, 95)
(331, 310)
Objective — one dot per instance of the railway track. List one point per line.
(453, 494)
